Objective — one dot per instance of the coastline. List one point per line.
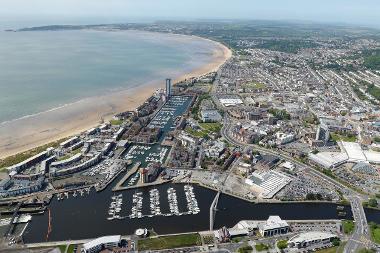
(26, 133)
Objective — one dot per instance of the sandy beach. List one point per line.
(29, 132)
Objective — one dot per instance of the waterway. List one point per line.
(86, 216)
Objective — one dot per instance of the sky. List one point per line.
(362, 12)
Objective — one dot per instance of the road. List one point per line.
(361, 236)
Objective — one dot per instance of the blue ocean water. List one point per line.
(42, 70)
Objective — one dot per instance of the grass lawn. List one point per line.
(261, 247)
(375, 233)
(329, 250)
(254, 85)
(348, 226)
(71, 248)
(339, 137)
(341, 247)
(116, 122)
(62, 248)
(169, 242)
(195, 133)
(211, 127)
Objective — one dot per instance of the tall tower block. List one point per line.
(168, 87)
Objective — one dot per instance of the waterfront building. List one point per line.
(5, 184)
(77, 168)
(308, 239)
(97, 245)
(273, 226)
(73, 159)
(168, 87)
(29, 162)
(150, 173)
(69, 142)
(267, 184)
(20, 187)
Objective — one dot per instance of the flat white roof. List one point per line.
(273, 222)
(372, 156)
(230, 101)
(353, 150)
(311, 236)
(328, 159)
(102, 240)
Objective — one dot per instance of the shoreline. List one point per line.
(45, 127)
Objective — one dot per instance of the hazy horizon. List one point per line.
(17, 13)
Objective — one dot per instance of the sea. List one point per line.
(43, 70)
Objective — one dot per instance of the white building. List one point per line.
(273, 226)
(267, 184)
(283, 138)
(227, 102)
(100, 243)
(350, 152)
(186, 140)
(210, 116)
(307, 239)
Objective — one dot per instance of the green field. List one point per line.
(340, 137)
(329, 250)
(254, 85)
(375, 232)
(116, 122)
(206, 129)
(71, 248)
(261, 247)
(374, 91)
(348, 226)
(62, 248)
(169, 242)
(211, 127)
(195, 133)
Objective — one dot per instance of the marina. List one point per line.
(136, 206)
(154, 202)
(93, 209)
(192, 203)
(115, 207)
(173, 202)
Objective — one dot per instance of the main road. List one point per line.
(361, 236)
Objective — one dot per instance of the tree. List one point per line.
(283, 244)
(372, 202)
(336, 242)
